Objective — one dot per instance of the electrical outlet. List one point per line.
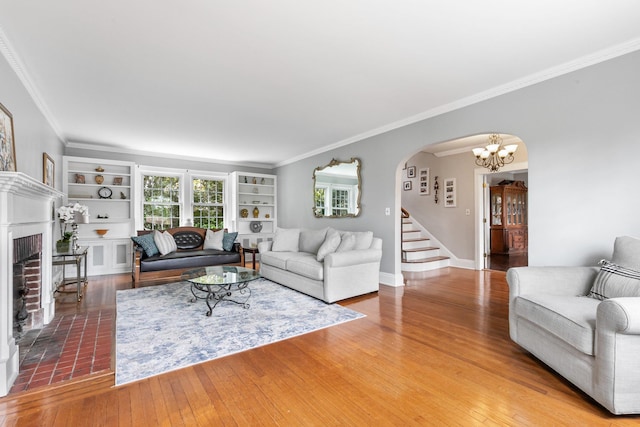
(387, 211)
(467, 212)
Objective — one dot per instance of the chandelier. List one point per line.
(494, 155)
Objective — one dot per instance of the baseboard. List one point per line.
(390, 279)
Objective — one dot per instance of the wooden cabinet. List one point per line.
(508, 210)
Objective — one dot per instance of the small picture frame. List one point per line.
(423, 179)
(48, 170)
(7, 142)
(79, 178)
(450, 193)
(411, 172)
(406, 185)
(117, 180)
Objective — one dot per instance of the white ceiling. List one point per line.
(274, 81)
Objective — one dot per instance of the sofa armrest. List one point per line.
(617, 344)
(619, 315)
(550, 280)
(348, 258)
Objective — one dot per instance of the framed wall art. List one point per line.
(450, 193)
(423, 180)
(48, 170)
(7, 142)
(411, 172)
(406, 185)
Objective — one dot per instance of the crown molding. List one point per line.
(18, 67)
(123, 150)
(562, 69)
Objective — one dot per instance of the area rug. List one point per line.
(159, 329)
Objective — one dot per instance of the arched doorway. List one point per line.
(458, 225)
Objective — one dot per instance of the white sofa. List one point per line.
(326, 264)
(593, 343)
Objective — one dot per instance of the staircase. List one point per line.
(418, 254)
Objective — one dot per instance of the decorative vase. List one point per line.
(63, 245)
(256, 212)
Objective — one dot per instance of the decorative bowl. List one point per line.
(102, 231)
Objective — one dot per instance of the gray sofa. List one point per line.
(555, 313)
(326, 264)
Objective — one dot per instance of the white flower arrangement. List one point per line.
(67, 215)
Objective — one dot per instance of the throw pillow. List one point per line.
(227, 240)
(626, 252)
(213, 240)
(165, 242)
(147, 244)
(311, 240)
(363, 239)
(347, 243)
(286, 240)
(615, 281)
(331, 243)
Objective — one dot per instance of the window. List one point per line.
(339, 202)
(334, 200)
(160, 202)
(319, 197)
(208, 203)
(178, 197)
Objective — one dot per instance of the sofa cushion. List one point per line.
(330, 244)
(189, 259)
(228, 239)
(187, 239)
(570, 318)
(306, 265)
(279, 259)
(165, 242)
(347, 243)
(311, 240)
(147, 244)
(213, 240)
(626, 252)
(363, 239)
(615, 281)
(286, 240)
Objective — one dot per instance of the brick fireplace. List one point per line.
(26, 210)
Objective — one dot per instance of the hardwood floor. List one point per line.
(436, 352)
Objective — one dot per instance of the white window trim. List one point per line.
(186, 192)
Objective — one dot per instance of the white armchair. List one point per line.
(594, 344)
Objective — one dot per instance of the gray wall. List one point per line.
(581, 131)
(33, 134)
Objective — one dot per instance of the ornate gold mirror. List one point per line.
(337, 189)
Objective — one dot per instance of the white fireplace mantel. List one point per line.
(27, 207)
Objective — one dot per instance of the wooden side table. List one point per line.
(253, 252)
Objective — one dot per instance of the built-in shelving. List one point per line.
(83, 178)
(253, 191)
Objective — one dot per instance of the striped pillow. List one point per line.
(615, 281)
(165, 242)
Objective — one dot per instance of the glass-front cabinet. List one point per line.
(509, 233)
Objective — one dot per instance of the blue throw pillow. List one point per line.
(227, 241)
(147, 243)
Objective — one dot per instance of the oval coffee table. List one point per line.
(221, 283)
